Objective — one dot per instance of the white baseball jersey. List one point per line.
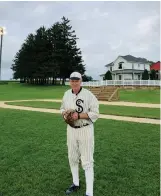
(83, 102)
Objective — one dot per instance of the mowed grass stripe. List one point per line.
(140, 95)
(104, 109)
(33, 158)
(17, 91)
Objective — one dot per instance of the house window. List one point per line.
(138, 77)
(132, 66)
(110, 68)
(120, 65)
(119, 77)
(138, 65)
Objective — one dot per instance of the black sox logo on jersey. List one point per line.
(78, 103)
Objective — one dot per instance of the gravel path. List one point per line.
(103, 116)
(119, 103)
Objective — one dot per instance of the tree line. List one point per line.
(49, 54)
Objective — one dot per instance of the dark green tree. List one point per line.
(108, 76)
(145, 75)
(43, 50)
(71, 58)
(86, 78)
(50, 53)
(55, 37)
(24, 60)
(153, 74)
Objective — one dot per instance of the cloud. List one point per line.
(6, 74)
(40, 9)
(105, 29)
(94, 14)
(10, 41)
(147, 34)
(147, 25)
(115, 46)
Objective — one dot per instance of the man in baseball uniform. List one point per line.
(80, 137)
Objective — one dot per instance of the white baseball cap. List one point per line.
(75, 76)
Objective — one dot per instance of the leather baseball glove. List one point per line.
(68, 117)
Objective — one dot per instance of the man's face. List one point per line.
(75, 84)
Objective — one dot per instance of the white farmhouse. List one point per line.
(127, 68)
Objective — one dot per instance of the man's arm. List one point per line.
(83, 116)
(77, 116)
(93, 113)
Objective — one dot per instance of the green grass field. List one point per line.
(16, 91)
(140, 95)
(104, 109)
(33, 158)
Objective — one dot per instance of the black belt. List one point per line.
(77, 127)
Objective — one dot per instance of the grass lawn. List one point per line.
(140, 95)
(33, 158)
(104, 109)
(17, 91)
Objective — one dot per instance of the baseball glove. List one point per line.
(68, 117)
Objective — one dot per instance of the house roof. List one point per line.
(110, 64)
(155, 66)
(131, 58)
(135, 59)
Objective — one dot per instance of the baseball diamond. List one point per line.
(114, 140)
(79, 98)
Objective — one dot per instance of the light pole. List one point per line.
(2, 32)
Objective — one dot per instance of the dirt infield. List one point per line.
(119, 103)
(103, 116)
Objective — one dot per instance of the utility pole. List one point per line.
(1, 34)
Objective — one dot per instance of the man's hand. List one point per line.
(75, 116)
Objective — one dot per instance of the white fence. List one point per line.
(122, 83)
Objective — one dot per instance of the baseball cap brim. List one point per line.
(75, 78)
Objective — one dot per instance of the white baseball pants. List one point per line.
(80, 144)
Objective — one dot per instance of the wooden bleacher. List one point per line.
(105, 93)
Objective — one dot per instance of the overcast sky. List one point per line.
(105, 29)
